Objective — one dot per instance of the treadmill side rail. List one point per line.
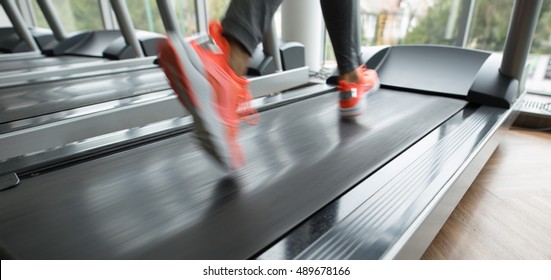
(396, 212)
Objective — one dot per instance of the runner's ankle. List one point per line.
(350, 77)
(238, 58)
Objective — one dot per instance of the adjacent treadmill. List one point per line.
(91, 49)
(61, 110)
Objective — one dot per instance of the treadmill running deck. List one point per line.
(168, 200)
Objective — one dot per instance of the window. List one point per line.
(217, 9)
(398, 22)
(75, 16)
(538, 76)
(490, 25)
(40, 21)
(186, 13)
(145, 15)
(438, 22)
(4, 20)
(410, 22)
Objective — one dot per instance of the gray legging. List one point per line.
(246, 21)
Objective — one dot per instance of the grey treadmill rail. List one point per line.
(26, 65)
(167, 200)
(5, 57)
(76, 70)
(34, 100)
(396, 212)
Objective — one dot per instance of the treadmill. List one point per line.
(42, 93)
(315, 187)
(79, 52)
(17, 42)
(51, 113)
(56, 108)
(21, 38)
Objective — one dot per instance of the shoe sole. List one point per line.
(358, 110)
(209, 128)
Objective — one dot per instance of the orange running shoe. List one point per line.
(352, 101)
(210, 90)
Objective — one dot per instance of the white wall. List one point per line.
(302, 21)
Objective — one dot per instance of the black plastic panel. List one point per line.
(261, 63)
(149, 41)
(10, 41)
(493, 88)
(435, 69)
(118, 49)
(373, 58)
(92, 43)
(292, 55)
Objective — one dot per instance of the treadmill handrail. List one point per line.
(126, 26)
(19, 24)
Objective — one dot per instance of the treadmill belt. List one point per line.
(168, 200)
(26, 65)
(23, 102)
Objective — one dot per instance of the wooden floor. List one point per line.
(506, 214)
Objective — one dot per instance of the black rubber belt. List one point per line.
(23, 65)
(167, 200)
(39, 99)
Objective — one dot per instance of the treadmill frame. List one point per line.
(396, 212)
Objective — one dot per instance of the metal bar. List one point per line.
(201, 13)
(452, 19)
(53, 20)
(271, 45)
(358, 32)
(32, 14)
(519, 37)
(126, 26)
(149, 14)
(466, 21)
(19, 24)
(106, 15)
(168, 16)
